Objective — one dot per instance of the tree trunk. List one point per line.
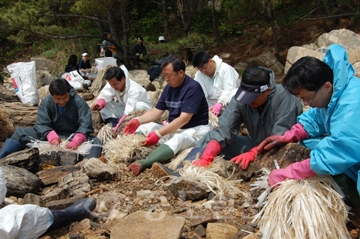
(115, 37)
(273, 30)
(214, 23)
(165, 20)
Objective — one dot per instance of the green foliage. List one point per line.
(194, 42)
(203, 21)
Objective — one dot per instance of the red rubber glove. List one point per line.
(216, 109)
(296, 171)
(131, 126)
(53, 138)
(212, 150)
(118, 124)
(245, 158)
(295, 134)
(100, 104)
(152, 138)
(76, 141)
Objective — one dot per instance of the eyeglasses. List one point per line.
(204, 67)
(309, 101)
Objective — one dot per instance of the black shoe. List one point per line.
(161, 170)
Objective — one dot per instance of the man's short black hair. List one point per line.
(176, 61)
(256, 75)
(200, 58)
(116, 72)
(59, 87)
(141, 38)
(308, 73)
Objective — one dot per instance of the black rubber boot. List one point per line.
(161, 170)
(95, 152)
(76, 212)
(10, 146)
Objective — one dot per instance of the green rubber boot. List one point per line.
(161, 155)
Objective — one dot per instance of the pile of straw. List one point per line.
(105, 134)
(310, 209)
(126, 149)
(213, 120)
(179, 159)
(46, 148)
(99, 82)
(208, 176)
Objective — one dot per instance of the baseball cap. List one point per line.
(85, 54)
(161, 38)
(248, 93)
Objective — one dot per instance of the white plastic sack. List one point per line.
(2, 186)
(24, 221)
(23, 76)
(75, 79)
(101, 63)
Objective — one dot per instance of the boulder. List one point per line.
(268, 60)
(150, 225)
(20, 181)
(22, 115)
(27, 159)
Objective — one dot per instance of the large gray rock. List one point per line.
(149, 225)
(268, 60)
(43, 78)
(96, 169)
(27, 159)
(20, 181)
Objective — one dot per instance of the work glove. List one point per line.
(131, 126)
(212, 149)
(295, 134)
(76, 141)
(216, 109)
(99, 105)
(118, 124)
(152, 138)
(245, 158)
(296, 171)
(53, 138)
(140, 56)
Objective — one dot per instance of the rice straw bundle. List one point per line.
(214, 120)
(179, 159)
(126, 149)
(105, 134)
(217, 184)
(46, 148)
(99, 82)
(308, 209)
(262, 183)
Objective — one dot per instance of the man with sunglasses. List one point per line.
(218, 80)
(330, 128)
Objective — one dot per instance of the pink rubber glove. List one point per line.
(76, 141)
(296, 171)
(295, 134)
(216, 109)
(152, 138)
(100, 104)
(245, 158)
(53, 138)
(131, 126)
(118, 124)
(212, 150)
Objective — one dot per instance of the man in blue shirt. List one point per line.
(188, 116)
